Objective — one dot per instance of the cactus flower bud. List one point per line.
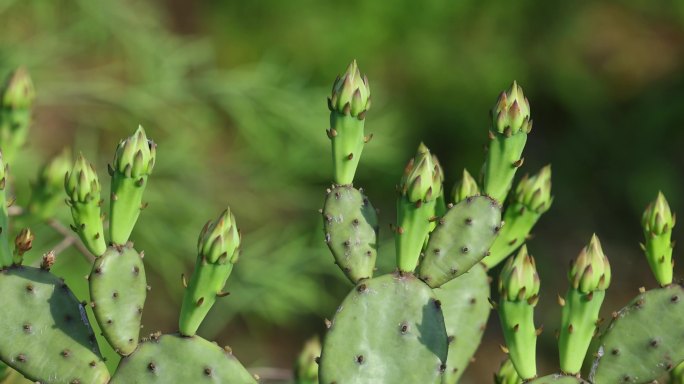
(306, 367)
(16, 100)
(82, 184)
(507, 374)
(348, 104)
(133, 163)
(512, 111)
(466, 187)
(46, 191)
(420, 199)
(219, 239)
(658, 218)
(535, 192)
(657, 222)
(135, 155)
(22, 244)
(519, 288)
(508, 135)
(351, 92)
(83, 190)
(519, 279)
(217, 251)
(18, 91)
(6, 258)
(589, 278)
(423, 177)
(591, 270)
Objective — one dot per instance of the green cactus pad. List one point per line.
(461, 239)
(118, 288)
(44, 332)
(558, 379)
(466, 309)
(644, 340)
(351, 230)
(389, 329)
(175, 359)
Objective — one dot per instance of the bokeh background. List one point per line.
(234, 94)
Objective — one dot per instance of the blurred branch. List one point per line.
(69, 239)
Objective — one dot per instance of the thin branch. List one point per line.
(75, 241)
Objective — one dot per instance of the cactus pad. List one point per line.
(461, 239)
(558, 379)
(44, 332)
(466, 309)
(389, 329)
(644, 340)
(118, 289)
(176, 359)
(351, 228)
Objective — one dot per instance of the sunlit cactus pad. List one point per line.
(644, 340)
(389, 329)
(45, 334)
(558, 379)
(466, 309)
(176, 359)
(462, 238)
(351, 227)
(118, 288)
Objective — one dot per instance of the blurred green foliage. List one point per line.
(234, 93)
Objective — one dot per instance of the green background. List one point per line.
(234, 94)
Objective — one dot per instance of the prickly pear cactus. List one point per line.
(462, 238)
(389, 329)
(118, 288)
(176, 359)
(641, 344)
(465, 309)
(351, 230)
(44, 332)
(558, 379)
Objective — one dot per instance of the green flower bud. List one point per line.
(306, 367)
(82, 184)
(658, 218)
(135, 155)
(507, 374)
(466, 187)
(519, 279)
(591, 270)
(219, 240)
(350, 92)
(535, 192)
(18, 91)
(46, 191)
(512, 111)
(423, 177)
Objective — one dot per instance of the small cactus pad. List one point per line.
(461, 239)
(644, 340)
(118, 289)
(44, 332)
(176, 359)
(558, 379)
(387, 330)
(466, 309)
(351, 229)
